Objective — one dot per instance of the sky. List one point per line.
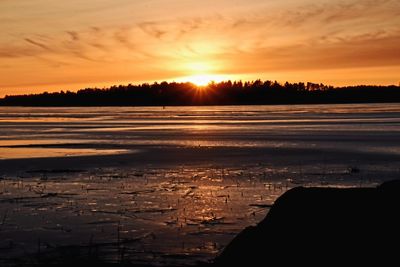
(52, 45)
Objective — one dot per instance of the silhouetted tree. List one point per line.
(223, 93)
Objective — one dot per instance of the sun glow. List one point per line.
(204, 79)
(202, 73)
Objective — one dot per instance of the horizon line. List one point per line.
(211, 82)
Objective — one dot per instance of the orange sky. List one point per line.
(53, 45)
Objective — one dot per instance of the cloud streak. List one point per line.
(74, 35)
(37, 44)
(356, 53)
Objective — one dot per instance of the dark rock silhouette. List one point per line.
(323, 226)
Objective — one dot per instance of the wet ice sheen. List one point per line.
(250, 126)
(177, 212)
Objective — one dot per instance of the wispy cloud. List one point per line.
(74, 35)
(152, 29)
(38, 44)
(352, 53)
(123, 36)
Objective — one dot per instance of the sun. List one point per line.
(201, 73)
(203, 79)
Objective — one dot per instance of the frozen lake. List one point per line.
(175, 184)
(58, 132)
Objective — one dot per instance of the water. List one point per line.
(174, 185)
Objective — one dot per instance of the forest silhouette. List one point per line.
(223, 93)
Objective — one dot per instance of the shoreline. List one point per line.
(211, 105)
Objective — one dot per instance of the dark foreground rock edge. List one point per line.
(311, 226)
(323, 226)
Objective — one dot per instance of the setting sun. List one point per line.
(204, 79)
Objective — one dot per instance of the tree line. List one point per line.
(223, 93)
